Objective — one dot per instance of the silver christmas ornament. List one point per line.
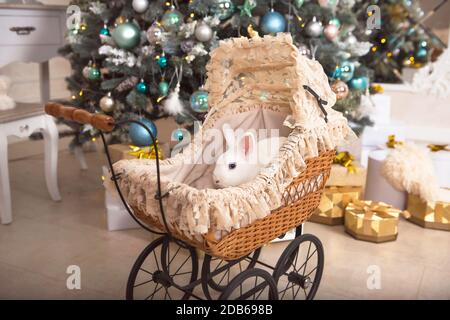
(351, 40)
(86, 71)
(314, 28)
(107, 103)
(140, 5)
(154, 34)
(304, 50)
(203, 32)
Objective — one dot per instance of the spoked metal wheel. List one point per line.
(252, 284)
(217, 273)
(159, 266)
(299, 270)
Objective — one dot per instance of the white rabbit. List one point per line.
(244, 157)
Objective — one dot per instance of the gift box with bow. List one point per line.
(371, 221)
(332, 204)
(346, 172)
(124, 151)
(430, 214)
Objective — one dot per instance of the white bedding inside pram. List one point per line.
(198, 174)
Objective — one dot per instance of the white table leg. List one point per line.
(50, 133)
(5, 192)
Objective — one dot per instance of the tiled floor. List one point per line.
(46, 237)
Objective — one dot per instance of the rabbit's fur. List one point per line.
(244, 158)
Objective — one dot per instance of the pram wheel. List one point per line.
(217, 273)
(299, 270)
(160, 269)
(252, 284)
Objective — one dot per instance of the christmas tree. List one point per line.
(147, 59)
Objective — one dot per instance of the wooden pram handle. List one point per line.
(100, 121)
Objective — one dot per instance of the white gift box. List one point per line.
(377, 187)
(378, 134)
(441, 164)
(381, 113)
(117, 215)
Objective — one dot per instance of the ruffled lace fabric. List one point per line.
(243, 75)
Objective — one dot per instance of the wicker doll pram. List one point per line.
(257, 83)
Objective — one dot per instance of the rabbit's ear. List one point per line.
(247, 143)
(228, 134)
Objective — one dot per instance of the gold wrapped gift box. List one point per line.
(430, 214)
(125, 151)
(371, 221)
(342, 176)
(332, 204)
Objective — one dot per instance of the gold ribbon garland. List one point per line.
(438, 147)
(146, 152)
(392, 143)
(345, 159)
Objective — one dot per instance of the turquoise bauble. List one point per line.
(127, 35)
(273, 22)
(223, 9)
(94, 74)
(199, 101)
(141, 87)
(335, 21)
(139, 136)
(162, 61)
(172, 20)
(104, 31)
(422, 53)
(178, 135)
(298, 3)
(347, 71)
(359, 83)
(163, 88)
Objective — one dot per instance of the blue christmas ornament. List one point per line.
(162, 61)
(223, 9)
(105, 31)
(199, 101)
(163, 88)
(127, 35)
(347, 71)
(178, 135)
(139, 136)
(94, 73)
(422, 53)
(141, 87)
(273, 22)
(359, 83)
(172, 20)
(335, 21)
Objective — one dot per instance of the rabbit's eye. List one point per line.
(232, 166)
